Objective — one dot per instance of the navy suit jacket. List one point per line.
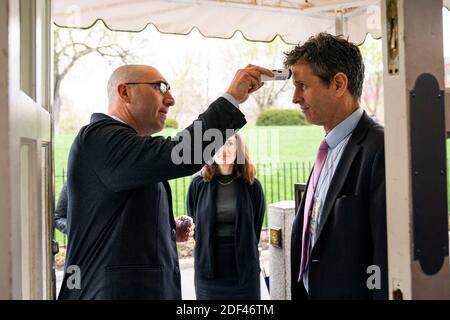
(352, 234)
(121, 229)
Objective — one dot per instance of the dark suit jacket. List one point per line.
(352, 234)
(61, 210)
(121, 230)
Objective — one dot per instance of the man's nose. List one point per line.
(168, 99)
(298, 97)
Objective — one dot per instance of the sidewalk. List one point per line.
(187, 277)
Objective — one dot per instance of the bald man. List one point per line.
(121, 230)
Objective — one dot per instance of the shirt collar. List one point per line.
(117, 119)
(343, 129)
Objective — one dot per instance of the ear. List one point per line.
(341, 84)
(123, 93)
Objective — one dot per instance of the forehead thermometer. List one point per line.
(279, 74)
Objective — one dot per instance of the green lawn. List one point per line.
(272, 145)
(283, 156)
(279, 144)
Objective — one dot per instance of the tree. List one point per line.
(71, 45)
(189, 74)
(188, 89)
(269, 55)
(267, 97)
(372, 96)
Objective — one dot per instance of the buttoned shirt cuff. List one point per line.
(231, 99)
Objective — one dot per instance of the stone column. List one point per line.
(281, 216)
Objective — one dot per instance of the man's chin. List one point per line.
(313, 121)
(154, 129)
(310, 121)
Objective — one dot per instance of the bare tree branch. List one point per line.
(72, 45)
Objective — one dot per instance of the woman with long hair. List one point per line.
(227, 204)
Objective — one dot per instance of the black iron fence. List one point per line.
(277, 179)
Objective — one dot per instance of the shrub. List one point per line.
(171, 123)
(281, 117)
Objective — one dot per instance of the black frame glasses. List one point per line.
(162, 86)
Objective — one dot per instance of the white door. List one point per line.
(26, 182)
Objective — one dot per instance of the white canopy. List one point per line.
(258, 20)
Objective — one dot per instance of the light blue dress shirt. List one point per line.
(231, 99)
(337, 140)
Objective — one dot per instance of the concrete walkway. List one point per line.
(187, 277)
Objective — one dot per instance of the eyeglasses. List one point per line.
(162, 86)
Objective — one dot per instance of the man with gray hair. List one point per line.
(339, 237)
(121, 231)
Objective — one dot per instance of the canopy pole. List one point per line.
(340, 23)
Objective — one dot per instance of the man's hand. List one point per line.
(247, 81)
(183, 234)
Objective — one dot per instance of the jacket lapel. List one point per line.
(343, 168)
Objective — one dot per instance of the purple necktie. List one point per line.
(307, 232)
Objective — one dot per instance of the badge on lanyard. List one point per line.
(315, 212)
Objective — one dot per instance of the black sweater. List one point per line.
(61, 210)
(120, 222)
(201, 206)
